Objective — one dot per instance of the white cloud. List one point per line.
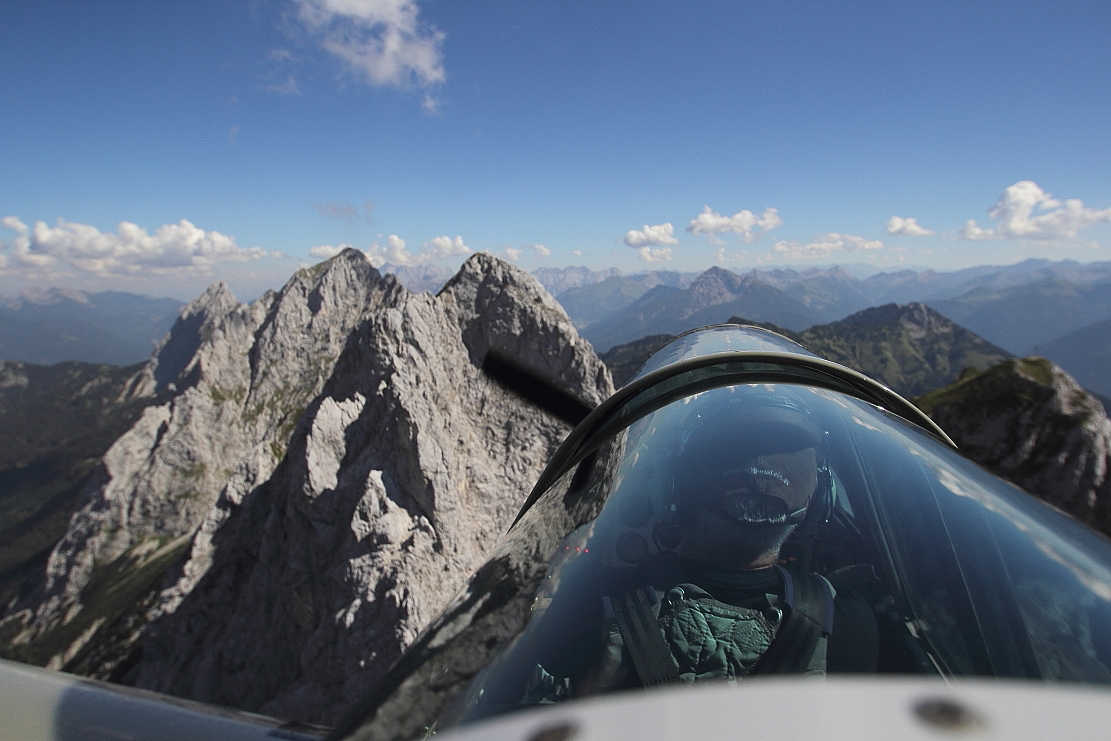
(744, 224)
(173, 248)
(513, 253)
(661, 254)
(971, 230)
(431, 105)
(651, 236)
(541, 250)
(1025, 211)
(381, 40)
(435, 249)
(908, 227)
(825, 245)
(326, 251)
(577, 253)
(440, 247)
(394, 253)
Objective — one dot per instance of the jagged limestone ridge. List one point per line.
(231, 381)
(399, 481)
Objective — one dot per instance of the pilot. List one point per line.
(710, 598)
(751, 472)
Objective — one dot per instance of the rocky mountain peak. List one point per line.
(317, 474)
(1029, 421)
(718, 285)
(715, 278)
(915, 316)
(173, 354)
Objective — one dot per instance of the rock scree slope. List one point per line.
(319, 472)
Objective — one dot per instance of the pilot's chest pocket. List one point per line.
(711, 639)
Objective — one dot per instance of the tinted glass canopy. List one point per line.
(721, 494)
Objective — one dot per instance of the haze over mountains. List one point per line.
(1024, 309)
(46, 326)
(1056, 309)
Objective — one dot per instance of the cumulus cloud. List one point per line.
(173, 248)
(1025, 211)
(513, 253)
(577, 253)
(908, 227)
(651, 236)
(661, 254)
(440, 247)
(395, 253)
(746, 225)
(541, 250)
(382, 41)
(326, 251)
(825, 245)
(430, 104)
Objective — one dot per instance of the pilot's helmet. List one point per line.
(734, 471)
(746, 472)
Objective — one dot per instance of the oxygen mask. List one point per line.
(768, 490)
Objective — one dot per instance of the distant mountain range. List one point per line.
(1086, 354)
(1024, 317)
(55, 325)
(912, 349)
(713, 297)
(1027, 308)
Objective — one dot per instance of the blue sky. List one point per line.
(237, 140)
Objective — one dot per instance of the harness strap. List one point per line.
(636, 612)
(800, 645)
(810, 603)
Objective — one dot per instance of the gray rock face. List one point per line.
(1029, 421)
(325, 468)
(400, 478)
(232, 380)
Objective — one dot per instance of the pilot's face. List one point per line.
(748, 488)
(756, 482)
(744, 499)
